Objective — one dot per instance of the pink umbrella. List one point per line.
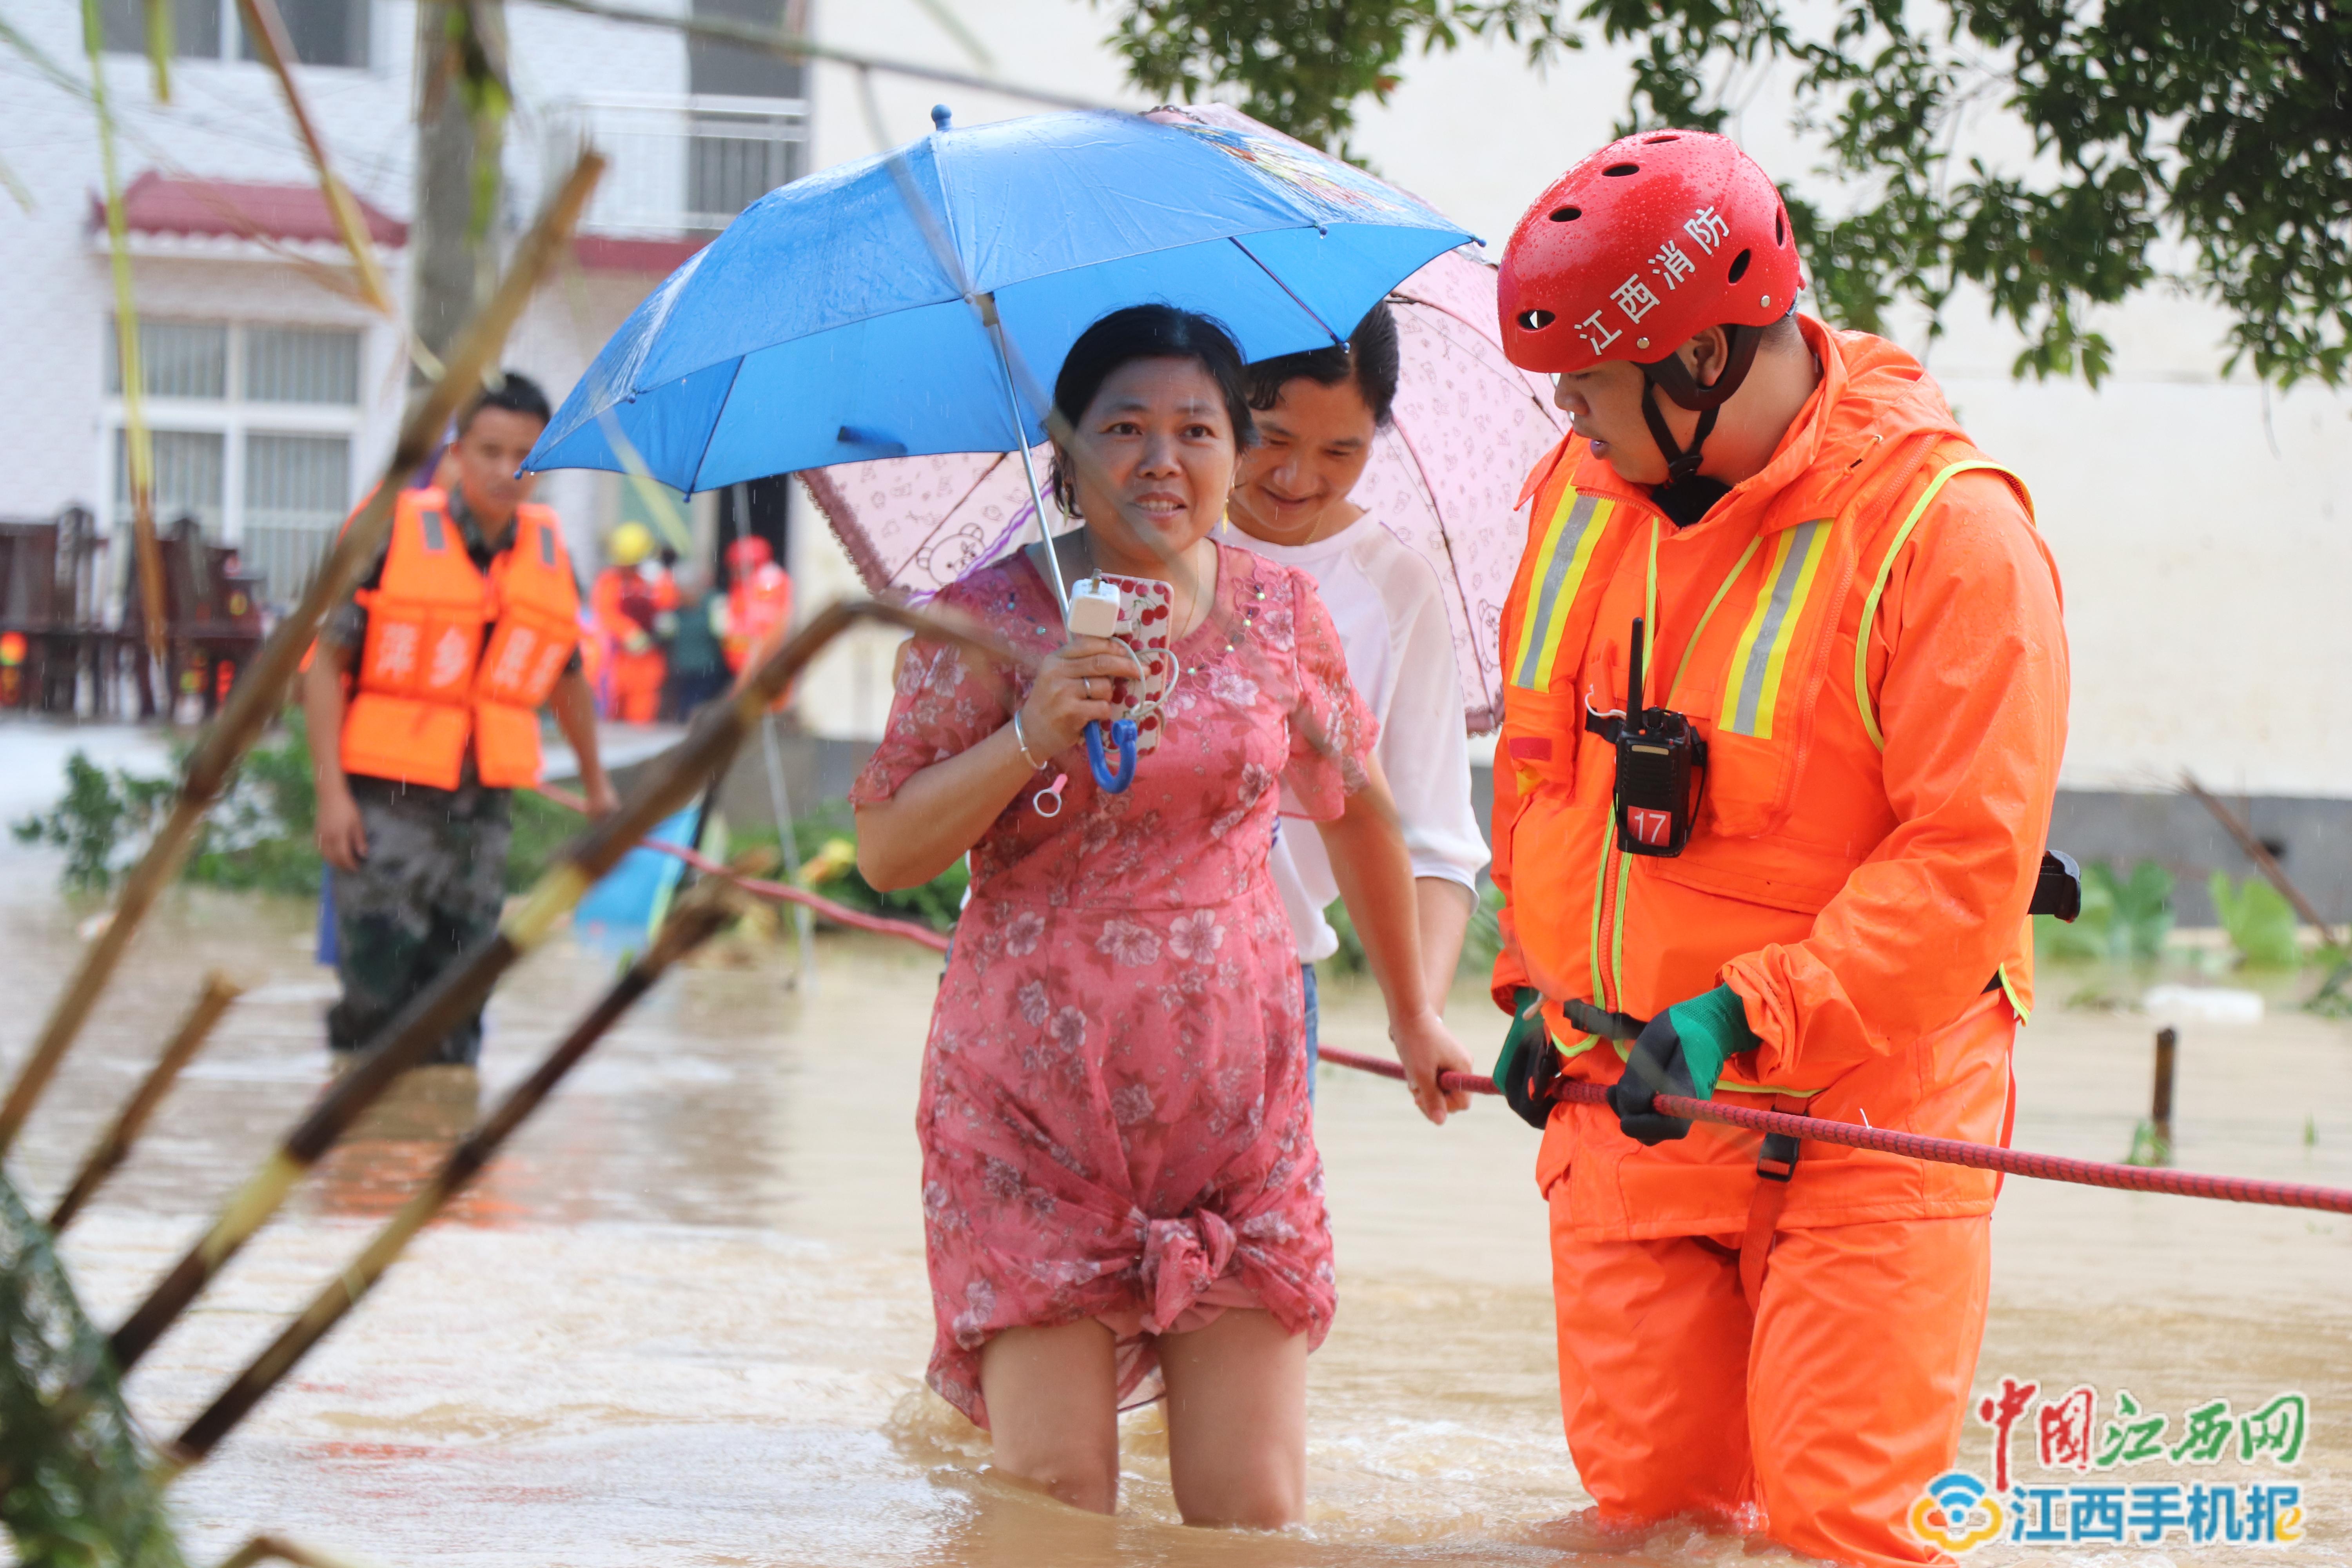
(1468, 427)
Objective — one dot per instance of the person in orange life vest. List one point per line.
(1781, 857)
(630, 598)
(759, 604)
(423, 707)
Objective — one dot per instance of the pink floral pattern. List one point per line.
(1113, 1113)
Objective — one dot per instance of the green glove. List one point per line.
(1682, 1051)
(1525, 1070)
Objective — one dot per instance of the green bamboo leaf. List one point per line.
(160, 46)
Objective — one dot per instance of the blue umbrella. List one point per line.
(919, 302)
(847, 316)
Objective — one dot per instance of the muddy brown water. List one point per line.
(684, 1319)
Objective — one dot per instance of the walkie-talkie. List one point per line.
(1660, 767)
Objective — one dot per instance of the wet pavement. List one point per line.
(684, 1319)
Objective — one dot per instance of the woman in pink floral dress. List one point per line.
(1120, 1174)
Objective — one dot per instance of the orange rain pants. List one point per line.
(1809, 1406)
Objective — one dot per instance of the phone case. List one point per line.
(1146, 606)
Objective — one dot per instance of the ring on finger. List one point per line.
(1086, 684)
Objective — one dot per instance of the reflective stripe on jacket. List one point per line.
(1874, 806)
(428, 683)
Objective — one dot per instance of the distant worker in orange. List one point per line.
(423, 703)
(1785, 697)
(631, 597)
(758, 601)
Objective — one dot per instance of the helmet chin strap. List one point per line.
(1674, 378)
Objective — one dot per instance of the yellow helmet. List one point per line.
(630, 544)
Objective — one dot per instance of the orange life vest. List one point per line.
(759, 604)
(429, 682)
(1770, 622)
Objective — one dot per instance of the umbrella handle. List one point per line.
(1122, 733)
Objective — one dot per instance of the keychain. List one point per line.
(1052, 791)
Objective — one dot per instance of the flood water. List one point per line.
(684, 1319)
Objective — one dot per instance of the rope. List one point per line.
(1916, 1146)
(1912, 1145)
(783, 892)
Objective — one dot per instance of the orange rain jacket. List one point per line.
(1858, 896)
(422, 695)
(624, 602)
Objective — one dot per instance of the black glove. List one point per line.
(1681, 1051)
(1529, 1062)
(1655, 1068)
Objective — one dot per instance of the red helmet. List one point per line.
(749, 553)
(1649, 240)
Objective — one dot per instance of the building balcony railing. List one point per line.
(679, 164)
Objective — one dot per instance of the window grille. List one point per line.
(323, 32)
(189, 464)
(296, 489)
(176, 359)
(196, 28)
(298, 364)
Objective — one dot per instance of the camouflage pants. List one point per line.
(429, 891)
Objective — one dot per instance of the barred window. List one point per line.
(176, 359)
(189, 466)
(302, 364)
(323, 32)
(196, 28)
(296, 489)
(254, 426)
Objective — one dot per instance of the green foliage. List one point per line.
(1480, 943)
(2259, 921)
(260, 837)
(100, 812)
(826, 840)
(2122, 919)
(1303, 66)
(2201, 144)
(1349, 959)
(76, 1489)
(540, 829)
(1483, 941)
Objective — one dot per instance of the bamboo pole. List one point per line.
(259, 694)
(697, 916)
(112, 1148)
(138, 449)
(461, 989)
(266, 28)
(2259, 853)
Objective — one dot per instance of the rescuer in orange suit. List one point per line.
(424, 717)
(759, 601)
(1791, 869)
(630, 598)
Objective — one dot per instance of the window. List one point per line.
(734, 71)
(297, 490)
(176, 359)
(188, 472)
(300, 365)
(195, 26)
(252, 425)
(324, 32)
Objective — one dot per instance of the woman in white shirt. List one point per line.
(1317, 416)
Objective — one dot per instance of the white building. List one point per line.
(2200, 521)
